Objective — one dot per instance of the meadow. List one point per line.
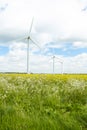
(43, 102)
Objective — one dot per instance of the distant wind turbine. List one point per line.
(53, 57)
(59, 60)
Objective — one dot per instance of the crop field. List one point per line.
(43, 102)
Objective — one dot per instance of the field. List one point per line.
(43, 102)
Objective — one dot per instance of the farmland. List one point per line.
(43, 102)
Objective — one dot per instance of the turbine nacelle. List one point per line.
(28, 37)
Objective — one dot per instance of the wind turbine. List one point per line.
(59, 60)
(28, 38)
(53, 57)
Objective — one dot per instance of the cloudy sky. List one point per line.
(59, 28)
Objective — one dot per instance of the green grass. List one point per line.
(43, 102)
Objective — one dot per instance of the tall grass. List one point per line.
(43, 102)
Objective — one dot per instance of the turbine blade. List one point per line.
(31, 26)
(35, 43)
(60, 60)
(19, 39)
(51, 58)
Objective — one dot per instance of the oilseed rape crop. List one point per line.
(43, 102)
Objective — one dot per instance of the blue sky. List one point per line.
(69, 52)
(59, 28)
(4, 50)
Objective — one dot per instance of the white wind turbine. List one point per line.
(59, 60)
(28, 38)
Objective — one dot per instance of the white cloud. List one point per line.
(76, 64)
(79, 44)
(53, 19)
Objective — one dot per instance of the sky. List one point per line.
(59, 28)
